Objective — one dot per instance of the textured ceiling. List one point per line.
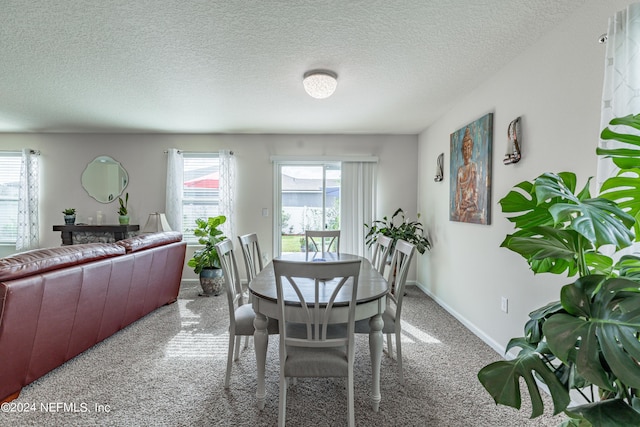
(224, 66)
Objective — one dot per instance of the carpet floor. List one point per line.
(167, 369)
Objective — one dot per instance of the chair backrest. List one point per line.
(232, 281)
(381, 251)
(322, 240)
(399, 268)
(252, 254)
(304, 281)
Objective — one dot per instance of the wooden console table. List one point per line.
(119, 231)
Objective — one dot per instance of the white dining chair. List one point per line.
(252, 254)
(399, 268)
(241, 314)
(322, 240)
(380, 253)
(311, 345)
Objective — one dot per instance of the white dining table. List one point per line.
(370, 304)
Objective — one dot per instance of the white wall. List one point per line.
(64, 157)
(555, 87)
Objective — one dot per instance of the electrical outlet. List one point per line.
(504, 304)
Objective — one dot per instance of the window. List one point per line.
(201, 190)
(9, 185)
(308, 198)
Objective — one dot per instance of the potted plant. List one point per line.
(69, 215)
(398, 227)
(588, 341)
(123, 212)
(205, 261)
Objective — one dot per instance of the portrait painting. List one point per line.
(470, 172)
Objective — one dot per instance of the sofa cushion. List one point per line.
(149, 240)
(41, 260)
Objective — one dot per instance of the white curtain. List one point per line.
(28, 202)
(228, 192)
(621, 89)
(175, 179)
(357, 205)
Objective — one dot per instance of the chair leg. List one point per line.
(389, 346)
(399, 356)
(282, 402)
(237, 351)
(350, 409)
(246, 341)
(227, 376)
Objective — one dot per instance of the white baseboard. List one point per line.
(469, 325)
(576, 399)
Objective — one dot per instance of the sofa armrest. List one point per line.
(41, 260)
(149, 240)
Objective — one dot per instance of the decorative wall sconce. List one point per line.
(514, 142)
(439, 168)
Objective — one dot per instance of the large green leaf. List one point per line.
(599, 263)
(633, 121)
(624, 189)
(547, 249)
(533, 328)
(523, 200)
(544, 242)
(599, 220)
(629, 267)
(624, 157)
(607, 413)
(605, 325)
(502, 380)
(560, 186)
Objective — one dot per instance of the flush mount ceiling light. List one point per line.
(320, 83)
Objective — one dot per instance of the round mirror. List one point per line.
(104, 179)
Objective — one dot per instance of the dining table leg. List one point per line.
(260, 342)
(375, 349)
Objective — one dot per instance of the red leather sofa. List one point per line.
(55, 303)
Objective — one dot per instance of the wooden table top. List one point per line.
(371, 285)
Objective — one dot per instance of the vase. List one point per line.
(124, 219)
(70, 219)
(212, 281)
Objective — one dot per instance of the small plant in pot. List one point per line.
(398, 227)
(69, 215)
(205, 261)
(122, 210)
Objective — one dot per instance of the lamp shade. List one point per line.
(320, 83)
(157, 222)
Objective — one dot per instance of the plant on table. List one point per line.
(69, 215)
(587, 341)
(122, 210)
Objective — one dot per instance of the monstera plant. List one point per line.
(588, 341)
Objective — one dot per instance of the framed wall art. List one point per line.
(470, 172)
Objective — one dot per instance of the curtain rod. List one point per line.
(182, 151)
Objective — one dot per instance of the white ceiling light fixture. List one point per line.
(320, 83)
